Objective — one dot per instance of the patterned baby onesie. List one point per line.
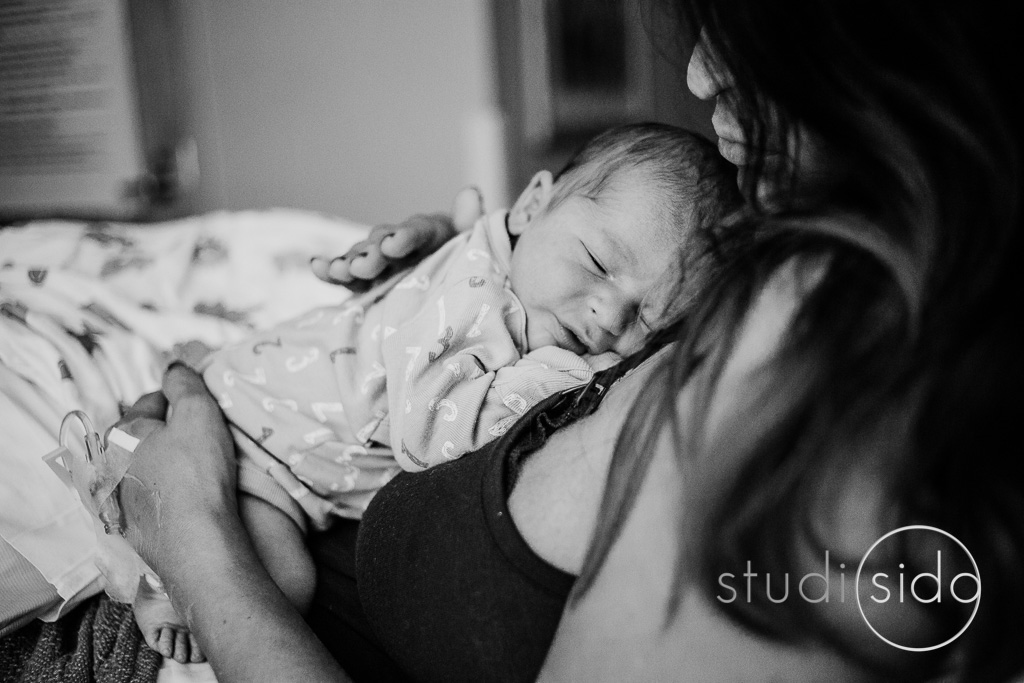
(327, 407)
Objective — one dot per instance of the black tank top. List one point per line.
(448, 589)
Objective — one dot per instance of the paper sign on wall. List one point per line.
(70, 139)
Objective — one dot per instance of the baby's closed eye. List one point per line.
(595, 261)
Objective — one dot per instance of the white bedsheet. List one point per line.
(88, 315)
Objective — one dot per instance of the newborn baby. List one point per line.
(327, 408)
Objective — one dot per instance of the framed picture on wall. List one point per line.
(585, 66)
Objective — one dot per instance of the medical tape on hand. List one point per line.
(122, 439)
(117, 457)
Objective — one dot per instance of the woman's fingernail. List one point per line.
(335, 269)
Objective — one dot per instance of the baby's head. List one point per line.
(593, 242)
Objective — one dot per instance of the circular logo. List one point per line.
(935, 579)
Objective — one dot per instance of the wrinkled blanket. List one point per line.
(90, 313)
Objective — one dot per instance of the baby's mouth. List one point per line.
(570, 341)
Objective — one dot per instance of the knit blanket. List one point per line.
(98, 642)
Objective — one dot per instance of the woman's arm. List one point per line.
(179, 502)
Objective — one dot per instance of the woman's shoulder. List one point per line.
(625, 626)
(557, 495)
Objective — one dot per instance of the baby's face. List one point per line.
(589, 272)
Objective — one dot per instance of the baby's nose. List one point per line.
(613, 315)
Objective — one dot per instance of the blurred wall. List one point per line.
(368, 109)
(656, 64)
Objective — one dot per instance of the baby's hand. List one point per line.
(391, 248)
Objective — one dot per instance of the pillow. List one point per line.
(47, 542)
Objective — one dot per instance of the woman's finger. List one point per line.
(153, 405)
(338, 270)
(321, 267)
(335, 271)
(369, 249)
(369, 264)
(181, 381)
(142, 417)
(192, 407)
(411, 237)
(467, 208)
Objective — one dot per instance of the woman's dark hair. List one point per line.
(904, 359)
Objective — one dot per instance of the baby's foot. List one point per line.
(161, 626)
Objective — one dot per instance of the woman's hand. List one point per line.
(178, 499)
(391, 248)
(182, 471)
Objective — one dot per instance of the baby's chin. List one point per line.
(602, 361)
(541, 342)
(597, 361)
(563, 338)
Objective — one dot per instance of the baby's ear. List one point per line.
(531, 202)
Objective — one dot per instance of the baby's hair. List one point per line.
(685, 170)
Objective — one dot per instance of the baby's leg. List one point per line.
(162, 628)
(281, 547)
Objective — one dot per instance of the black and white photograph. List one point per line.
(511, 340)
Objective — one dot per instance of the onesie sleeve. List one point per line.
(456, 379)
